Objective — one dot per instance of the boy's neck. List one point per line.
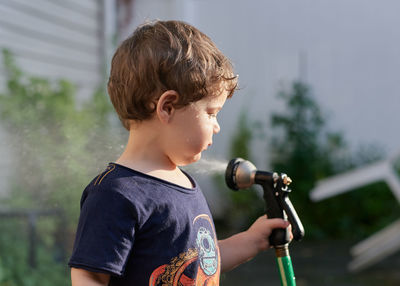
(142, 153)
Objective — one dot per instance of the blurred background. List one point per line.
(318, 99)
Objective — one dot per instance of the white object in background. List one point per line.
(385, 242)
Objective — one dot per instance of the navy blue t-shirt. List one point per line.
(145, 231)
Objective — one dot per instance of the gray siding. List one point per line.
(55, 38)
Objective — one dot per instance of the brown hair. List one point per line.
(161, 56)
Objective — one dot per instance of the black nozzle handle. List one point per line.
(297, 226)
(278, 205)
(273, 208)
(279, 236)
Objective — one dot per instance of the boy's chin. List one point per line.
(191, 160)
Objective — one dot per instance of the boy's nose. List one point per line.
(216, 127)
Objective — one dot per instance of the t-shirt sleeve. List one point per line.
(105, 233)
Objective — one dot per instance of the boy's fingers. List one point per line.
(278, 223)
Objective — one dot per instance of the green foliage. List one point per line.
(14, 268)
(303, 149)
(56, 142)
(58, 145)
(298, 147)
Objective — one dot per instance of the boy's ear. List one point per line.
(165, 105)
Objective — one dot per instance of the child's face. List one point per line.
(193, 128)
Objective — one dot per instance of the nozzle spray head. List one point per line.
(240, 174)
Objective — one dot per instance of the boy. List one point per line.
(143, 220)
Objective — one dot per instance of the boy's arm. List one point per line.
(81, 277)
(245, 245)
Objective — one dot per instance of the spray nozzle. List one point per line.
(242, 174)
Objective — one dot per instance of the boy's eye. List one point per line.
(212, 115)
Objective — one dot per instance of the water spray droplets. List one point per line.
(207, 166)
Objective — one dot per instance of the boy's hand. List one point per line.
(261, 229)
(243, 246)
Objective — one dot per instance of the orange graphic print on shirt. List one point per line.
(207, 255)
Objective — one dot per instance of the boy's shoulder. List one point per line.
(123, 182)
(118, 189)
(116, 178)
